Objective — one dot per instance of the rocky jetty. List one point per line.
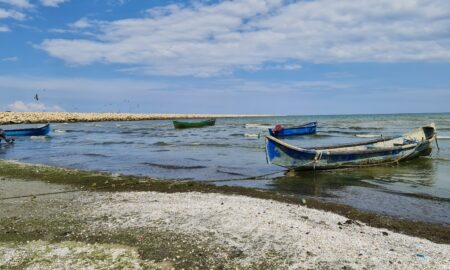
(62, 117)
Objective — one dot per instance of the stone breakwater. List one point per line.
(62, 117)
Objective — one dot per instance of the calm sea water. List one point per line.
(233, 151)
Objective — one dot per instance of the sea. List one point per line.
(232, 153)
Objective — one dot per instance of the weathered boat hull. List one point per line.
(40, 131)
(376, 152)
(180, 124)
(309, 128)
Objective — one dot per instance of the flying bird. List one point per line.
(36, 97)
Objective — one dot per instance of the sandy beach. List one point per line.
(62, 117)
(231, 231)
(77, 226)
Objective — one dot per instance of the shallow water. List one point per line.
(233, 151)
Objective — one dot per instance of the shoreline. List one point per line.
(192, 230)
(94, 181)
(62, 117)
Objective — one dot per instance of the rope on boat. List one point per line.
(437, 145)
(316, 159)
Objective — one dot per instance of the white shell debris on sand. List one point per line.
(309, 238)
(68, 255)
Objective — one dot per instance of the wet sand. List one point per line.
(62, 117)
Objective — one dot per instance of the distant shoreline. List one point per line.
(62, 117)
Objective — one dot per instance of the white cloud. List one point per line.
(81, 23)
(286, 67)
(213, 39)
(116, 2)
(52, 3)
(12, 14)
(4, 28)
(18, 3)
(20, 106)
(10, 59)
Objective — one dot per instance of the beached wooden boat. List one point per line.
(375, 152)
(278, 131)
(180, 124)
(40, 131)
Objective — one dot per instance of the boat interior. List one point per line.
(410, 139)
(429, 131)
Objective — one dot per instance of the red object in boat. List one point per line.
(277, 128)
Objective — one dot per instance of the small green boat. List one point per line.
(180, 124)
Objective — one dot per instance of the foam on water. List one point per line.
(251, 135)
(258, 126)
(368, 135)
(40, 137)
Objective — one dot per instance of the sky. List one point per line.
(306, 57)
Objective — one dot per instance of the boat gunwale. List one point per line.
(381, 139)
(305, 129)
(198, 122)
(310, 124)
(28, 129)
(327, 151)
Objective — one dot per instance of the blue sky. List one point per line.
(247, 56)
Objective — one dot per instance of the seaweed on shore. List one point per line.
(50, 222)
(96, 181)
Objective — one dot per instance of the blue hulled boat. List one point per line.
(40, 131)
(279, 131)
(374, 152)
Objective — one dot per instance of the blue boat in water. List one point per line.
(375, 152)
(40, 131)
(279, 131)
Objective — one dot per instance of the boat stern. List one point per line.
(430, 131)
(424, 137)
(284, 155)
